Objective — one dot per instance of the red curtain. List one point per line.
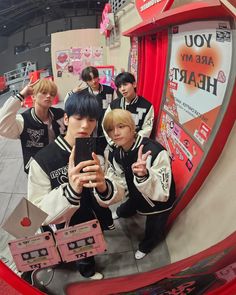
(152, 59)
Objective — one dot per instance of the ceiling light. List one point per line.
(98, 2)
(4, 26)
(48, 7)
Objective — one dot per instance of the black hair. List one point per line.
(86, 73)
(124, 78)
(83, 104)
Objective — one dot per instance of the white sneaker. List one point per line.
(96, 276)
(114, 215)
(139, 255)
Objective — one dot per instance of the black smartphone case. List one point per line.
(84, 148)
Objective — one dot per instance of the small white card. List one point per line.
(25, 220)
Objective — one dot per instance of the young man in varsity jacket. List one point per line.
(63, 190)
(143, 167)
(141, 109)
(104, 94)
(37, 126)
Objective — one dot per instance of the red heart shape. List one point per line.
(25, 222)
(202, 61)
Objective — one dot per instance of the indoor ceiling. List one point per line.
(18, 14)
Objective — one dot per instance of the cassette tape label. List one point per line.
(35, 252)
(80, 241)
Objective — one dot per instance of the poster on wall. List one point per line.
(133, 57)
(198, 75)
(106, 75)
(197, 78)
(74, 60)
(97, 56)
(62, 60)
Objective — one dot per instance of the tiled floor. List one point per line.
(122, 242)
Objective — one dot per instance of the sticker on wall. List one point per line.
(59, 74)
(87, 54)
(184, 152)
(97, 53)
(62, 60)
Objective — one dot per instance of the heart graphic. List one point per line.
(34, 135)
(221, 77)
(25, 222)
(62, 57)
(204, 61)
(97, 53)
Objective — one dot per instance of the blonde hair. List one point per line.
(45, 85)
(118, 116)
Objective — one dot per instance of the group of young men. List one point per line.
(138, 167)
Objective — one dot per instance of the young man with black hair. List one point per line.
(37, 126)
(141, 109)
(65, 191)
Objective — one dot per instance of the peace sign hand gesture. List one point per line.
(139, 168)
(28, 89)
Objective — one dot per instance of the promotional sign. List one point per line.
(148, 9)
(200, 62)
(133, 57)
(72, 61)
(185, 153)
(196, 84)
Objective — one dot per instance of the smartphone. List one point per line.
(83, 149)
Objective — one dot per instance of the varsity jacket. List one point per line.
(141, 110)
(154, 193)
(49, 189)
(27, 127)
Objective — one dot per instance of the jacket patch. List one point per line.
(60, 174)
(35, 136)
(141, 113)
(164, 177)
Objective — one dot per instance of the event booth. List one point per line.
(186, 67)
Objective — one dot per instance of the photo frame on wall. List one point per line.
(106, 74)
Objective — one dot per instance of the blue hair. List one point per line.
(83, 104)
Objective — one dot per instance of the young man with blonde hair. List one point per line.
(37, 126)
(143, 167)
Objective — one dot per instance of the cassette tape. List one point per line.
(80, 241)
(34, 252)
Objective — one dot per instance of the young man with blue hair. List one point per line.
(66, 191)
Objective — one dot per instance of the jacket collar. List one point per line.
(63, 144)
(99, 90)
(36, 118)
(123, 102)
(134, 147)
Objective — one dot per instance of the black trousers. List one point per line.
(154, 226)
